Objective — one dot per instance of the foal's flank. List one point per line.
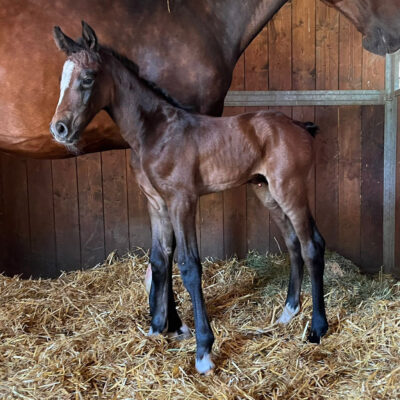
(178, 156)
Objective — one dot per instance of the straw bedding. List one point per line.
(83, 336)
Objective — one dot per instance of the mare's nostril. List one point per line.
(61, 129)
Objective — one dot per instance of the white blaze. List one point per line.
(65, 78)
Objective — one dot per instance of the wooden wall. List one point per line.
(70, 213)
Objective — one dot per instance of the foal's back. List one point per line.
(233, 149)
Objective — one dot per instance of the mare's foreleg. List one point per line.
(182, 209)
(161, 298)
(292, 304)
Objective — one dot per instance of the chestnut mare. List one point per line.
(178, 156)
(190, 51)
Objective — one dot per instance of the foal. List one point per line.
(177, 157)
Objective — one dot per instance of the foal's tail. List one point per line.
(310, 127)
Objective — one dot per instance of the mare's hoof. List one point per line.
(182, 333)
(204, 365)
(288, 314)
(148, 279)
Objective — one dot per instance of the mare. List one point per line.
(189, 49)
(178, 156)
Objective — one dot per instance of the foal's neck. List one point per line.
(134, 105)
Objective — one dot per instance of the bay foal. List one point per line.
(177, 157)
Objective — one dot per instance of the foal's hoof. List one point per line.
(288, 314)
(182, 333)
(317, 333)
(204, 365)
(153, 333)
(148, 279)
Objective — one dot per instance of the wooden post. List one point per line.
(389, 179)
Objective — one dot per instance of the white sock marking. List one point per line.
(287, 314)
(204, 365)
(65, 79)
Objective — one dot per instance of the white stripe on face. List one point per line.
(65, 78)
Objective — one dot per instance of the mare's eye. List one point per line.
(87, 82)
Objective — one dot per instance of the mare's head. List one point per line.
(377, 20)
(84, 89)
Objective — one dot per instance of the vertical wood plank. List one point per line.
(327, 47)
(139, 220)
(91, 213)
(41, 218)
(66, 214)
(115, 201)
(326, 175)
(303, 44)
(350, 56)
(349, 134)
(373, 71)
(257, 78)
(372, 188)
(16, 217)
(396, 271)
(280, 49)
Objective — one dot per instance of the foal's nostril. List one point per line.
(61, 129)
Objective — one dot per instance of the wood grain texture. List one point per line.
(91, 212)
(372, 188)
(327, 47)
(16, 217)
(115, 201)
(41, 217)
(349, 139)
(66, 214)
(396, 271)
(350, 56)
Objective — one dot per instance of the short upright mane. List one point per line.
(134, 68)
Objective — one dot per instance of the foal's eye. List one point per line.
(87, 82)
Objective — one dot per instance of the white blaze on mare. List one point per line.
(65, 78)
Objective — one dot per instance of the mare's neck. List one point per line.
(243, 20)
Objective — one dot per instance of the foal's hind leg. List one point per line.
(161, 298)
(293, 201)
(292, 304)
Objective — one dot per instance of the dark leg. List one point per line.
(161, 299)
(292, 305)
(182, 213)
(312, 250)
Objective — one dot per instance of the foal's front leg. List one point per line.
(182, 210)
(161, 298)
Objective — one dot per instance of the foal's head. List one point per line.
(84, 89)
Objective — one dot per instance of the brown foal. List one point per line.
(178, 156)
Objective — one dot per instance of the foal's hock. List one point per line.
(178, 156)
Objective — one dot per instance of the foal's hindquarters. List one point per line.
(277, 154)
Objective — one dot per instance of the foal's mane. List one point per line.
(134, 68)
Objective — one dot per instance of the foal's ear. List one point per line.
(65, 43)
(89, 37)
